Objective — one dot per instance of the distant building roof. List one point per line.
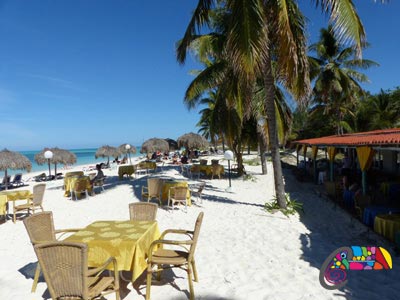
(383, 137)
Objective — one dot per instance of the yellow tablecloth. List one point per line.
(387, 225)
(207, 169)
(167, 184)
(128, 169)
(127, 241)
(147, 165)
(6, 196)
(70, 181)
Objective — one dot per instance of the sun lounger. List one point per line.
(17, 181)
(40, 177)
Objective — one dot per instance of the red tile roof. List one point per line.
(384, 137)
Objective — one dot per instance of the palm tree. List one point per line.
(259, 32)
(337, 82)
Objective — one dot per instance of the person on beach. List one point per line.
(99, 174)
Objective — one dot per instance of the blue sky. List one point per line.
(83, 73)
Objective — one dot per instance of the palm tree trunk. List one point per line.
(263, 149)
(273, 133)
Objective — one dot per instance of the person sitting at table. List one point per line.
(184, 159)
(98, 176)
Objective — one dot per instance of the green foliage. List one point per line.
(253, 162)
(249, 177)
(292, 206)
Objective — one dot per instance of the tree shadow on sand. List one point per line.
(318, 243)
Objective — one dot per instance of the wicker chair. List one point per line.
(40, 228)
(65, 269)
(177, 194)
(195, 171)
(216, 170)
(99, 183)
(152, 190)
(33, 203)
(197, 190)
(174, 258)
(143, 211)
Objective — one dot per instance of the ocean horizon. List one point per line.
(84, 156)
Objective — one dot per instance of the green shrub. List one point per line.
(292, 206)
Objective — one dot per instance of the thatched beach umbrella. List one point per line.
(60, 156)
(14, 161)
(192, 141)
(127, 149)
(153, 145)
(173, 145)
(107, 151)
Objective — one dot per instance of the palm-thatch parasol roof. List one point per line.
(14, 161)
(107, 151)
(153, 145)
(60, 156)
(122, 149)
(192, 140)
(173, 145)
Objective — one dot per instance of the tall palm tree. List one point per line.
(337, 82)
(259, 32)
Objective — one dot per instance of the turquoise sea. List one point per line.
(83, 157)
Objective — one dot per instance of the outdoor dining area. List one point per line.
(92, 261)
(366, 178)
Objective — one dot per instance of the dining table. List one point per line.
(126, 170)
(12, 195)
(71, 180)
(127, 241)
(169, 183)
(208, 169)
(387, 225)
(370, 212)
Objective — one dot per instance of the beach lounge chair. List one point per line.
(152, 190)
(40, 177)
(176, 195)
(6, 182)
(32, 204)
(167, 258)
(143, 211)
(40, 228)
(17, 180)
(65, 269)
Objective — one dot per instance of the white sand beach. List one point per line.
(243, 251)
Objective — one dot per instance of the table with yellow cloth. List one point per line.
(207, 169)
(71, 174)
(70, 181)
(127, 241)
(128, 170)
(6, 196)
(387, 225)
(167, 184)
(147, 165)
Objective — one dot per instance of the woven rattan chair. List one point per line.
(99, 183)
(216, 170)
(195, 171)
(197, 190)
(177, 194)
(65, 269)
(34, 203)
(152, 190)
(40, 228)
(165, 258)
(143, 211)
